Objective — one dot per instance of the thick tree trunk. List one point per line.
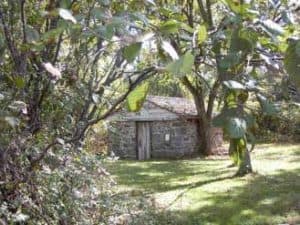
(204, 114)
(204, 131)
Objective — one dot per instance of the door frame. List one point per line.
(143, 140)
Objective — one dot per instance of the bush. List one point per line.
(75, 192)
(282, 127)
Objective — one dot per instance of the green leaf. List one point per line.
(2, 97)
(230, 60)
(151, 2)
(268, 107)
(232, 84)
(169, 27)
(237, 7)
(12, 121)
(52, 34)
(292, 61)
(118, 22)
(52, 70)
(170, 50)
(236, 127)
(272, 27)
(287, 17)
(202, 34)
(181, 66)
(221, 119)
(31, 34)
(99, 13)
(237, 149)
(105, 2)
(130, 52)
(140, 17)
(18, 106)
(96, 98)
(243, 40)
(20, 217)
(66, 15)
(19, 82)
(106, 32)
(137, 97)
(60, 141)
(65, 3)
(231, 99)
(233, 151)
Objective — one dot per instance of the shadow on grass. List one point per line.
(160, 176)
(265, 200)
(278, 152)
(253, 200)
(189, 187)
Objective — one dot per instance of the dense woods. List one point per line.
(67, 65)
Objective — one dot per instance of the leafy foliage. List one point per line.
(64, 68)
(181, 66)
(202, 34)
(291, 61)
(236, 128)
(137, 97)
(66, 65)
(131, 52)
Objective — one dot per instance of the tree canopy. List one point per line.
(68, 64)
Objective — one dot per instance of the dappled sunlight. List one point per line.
(205, 190)
(255, 196)
(169, 175)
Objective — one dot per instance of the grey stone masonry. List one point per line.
(169, 139)
(173, 139)
(122, 139)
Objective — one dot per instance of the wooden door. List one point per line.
(143, 140)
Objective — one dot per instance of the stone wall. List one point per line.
(169, 139)
(216, 137)
(122, 139)
(173, 139)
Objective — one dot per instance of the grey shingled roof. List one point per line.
(181, 106)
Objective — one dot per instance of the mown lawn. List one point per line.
(204, 191)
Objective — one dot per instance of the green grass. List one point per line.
(204, 191)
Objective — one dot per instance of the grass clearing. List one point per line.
(204, 191)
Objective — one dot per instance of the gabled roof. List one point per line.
(158, 108)
(179, 106)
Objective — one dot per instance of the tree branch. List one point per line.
(10, 43)
(212, 97)
(209, 14)
(23, 20)
(202, 11)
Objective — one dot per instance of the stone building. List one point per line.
(166, 127)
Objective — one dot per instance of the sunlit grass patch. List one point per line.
(199, 191)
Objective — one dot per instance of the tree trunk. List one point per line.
(204, 132)
(204, 128)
